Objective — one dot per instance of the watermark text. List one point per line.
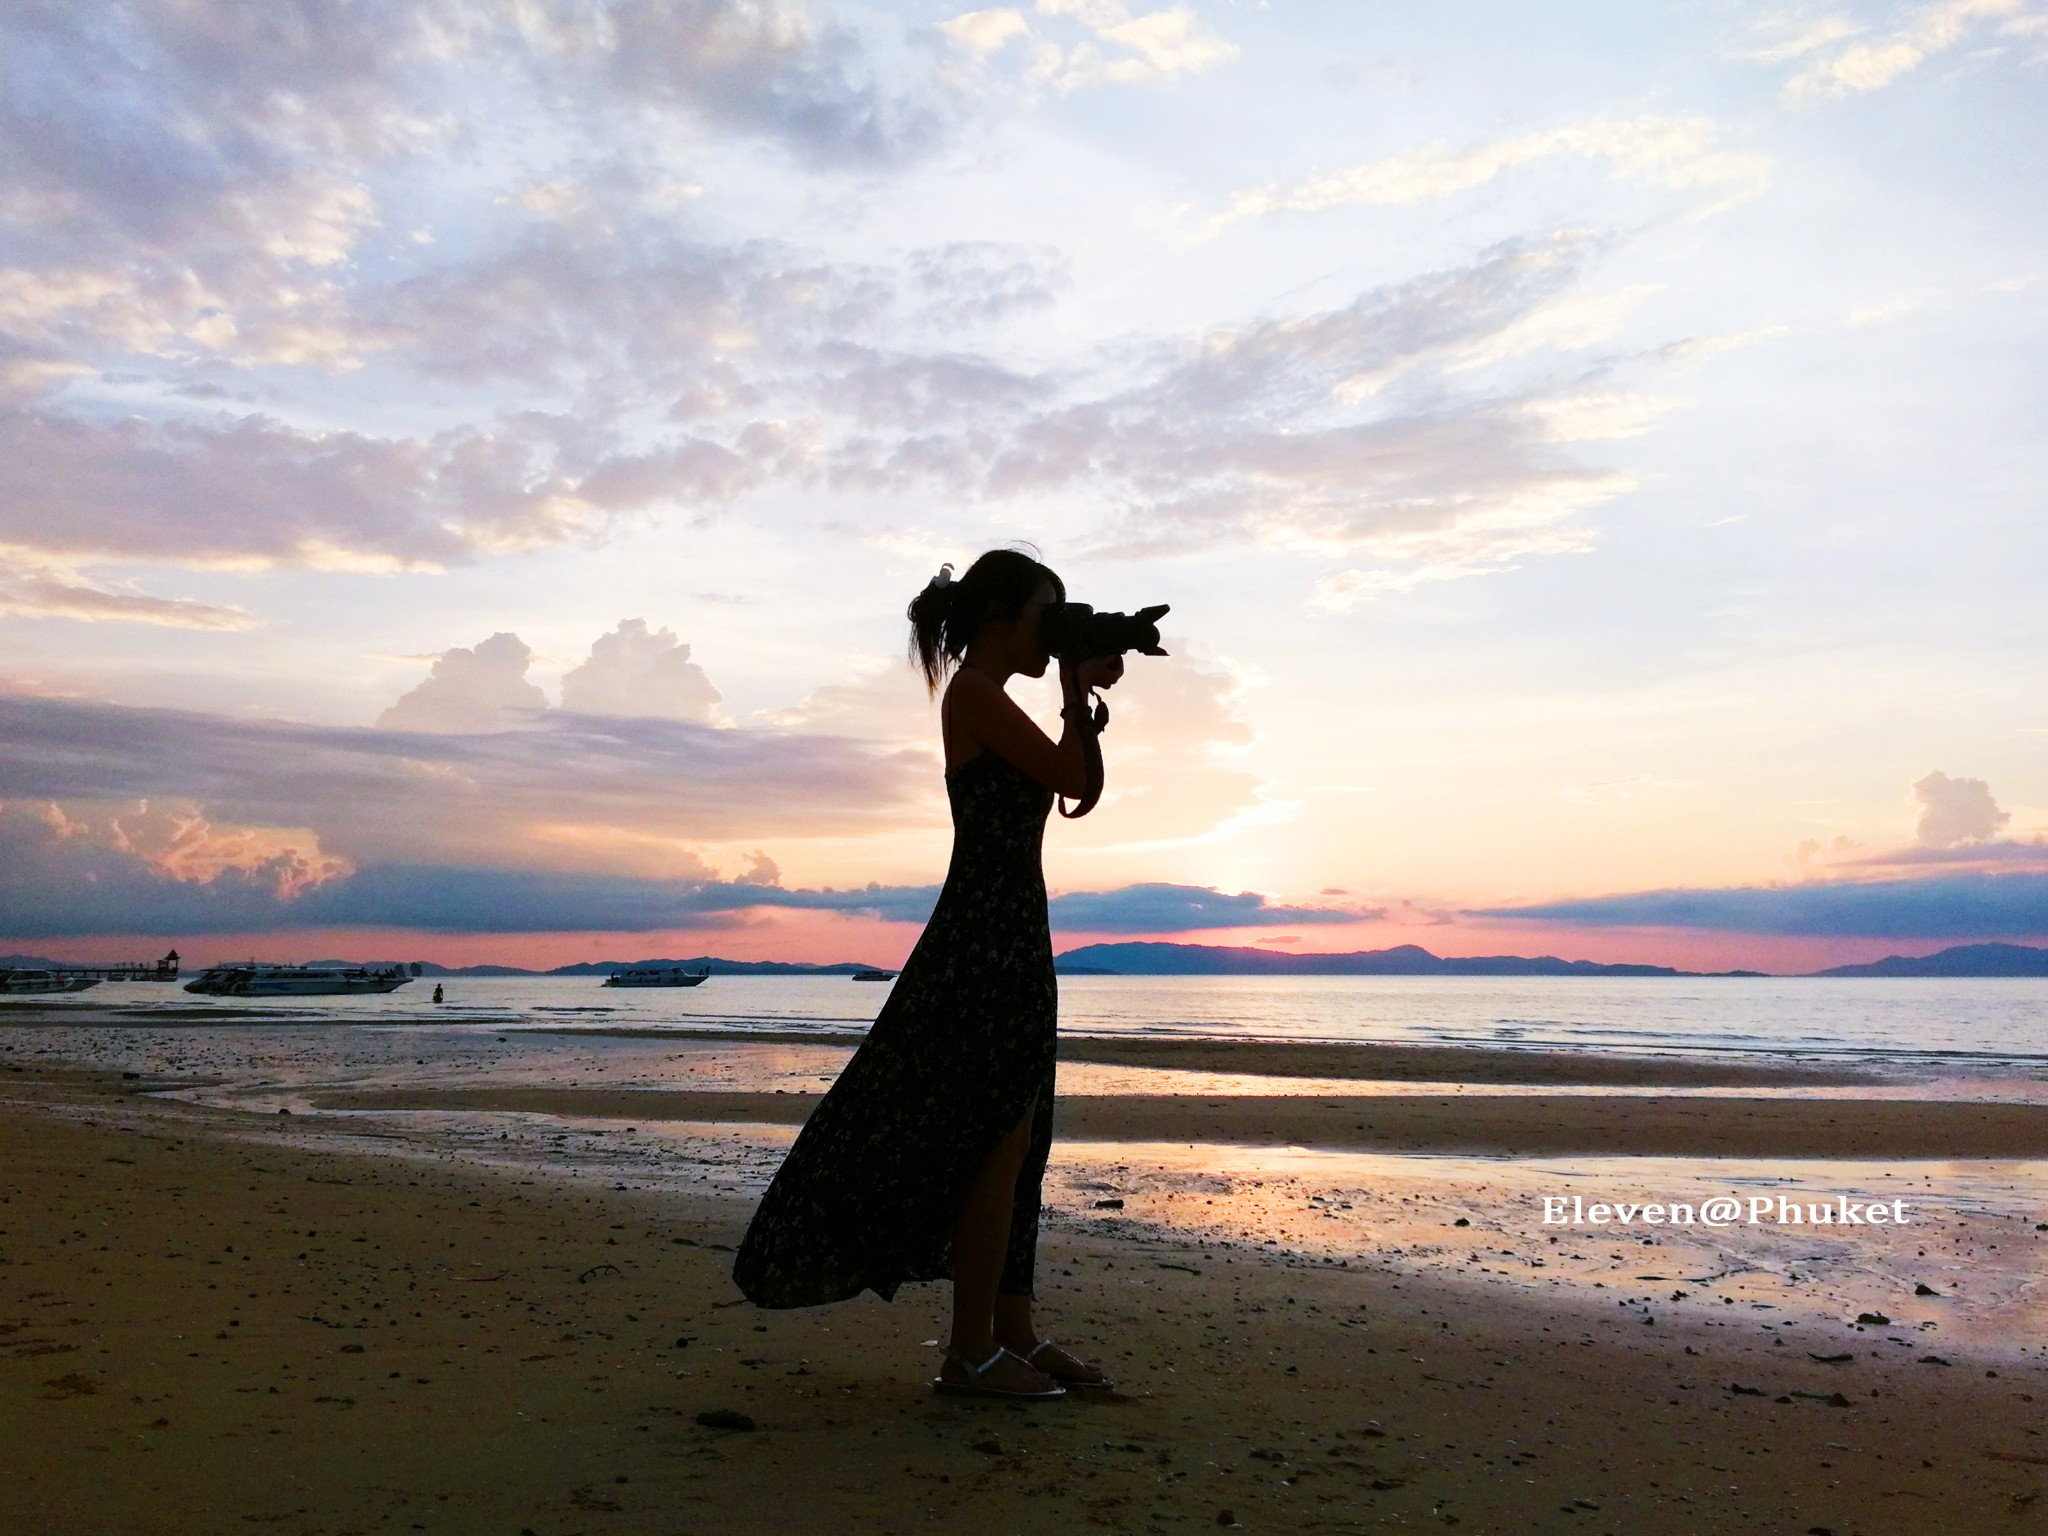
(1724, 1211)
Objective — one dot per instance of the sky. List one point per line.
(463, 466)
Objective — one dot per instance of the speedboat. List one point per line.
(13, 981)
(251, 979)
(656, 976)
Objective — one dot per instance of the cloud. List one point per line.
(1791, 39)
(676, 375)
(1175, 770)
(33, 588)
(1081, 43)
(1355, 432)
(1870, 66)
(193, 190)
(484, 689)
(1973, 906)
(175, 874)
(1675, 152)
(635, 671)
(588, 791)
(61, 877)
(255, 492)
(1162, 908)
(1179, 727)
(1956, 811)
(766, 68)
(985, 32)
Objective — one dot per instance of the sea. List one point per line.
(1989, 1022)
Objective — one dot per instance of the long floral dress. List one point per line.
(867, 1196)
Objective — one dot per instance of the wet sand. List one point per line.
(1520, 1124)
(215, 1321)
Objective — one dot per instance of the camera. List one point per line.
(1076, 632)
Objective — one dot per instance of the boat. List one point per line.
(253, 979)
(26, 981)
(874, 975)
(656, 976)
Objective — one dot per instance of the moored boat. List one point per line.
(252, 979)
(872, 974)
(655, 976)
(13, 982)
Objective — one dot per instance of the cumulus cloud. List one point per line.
(480, 689)
(1956, 811)
(1676, 152)
(637, 671)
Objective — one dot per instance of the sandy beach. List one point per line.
(218, 1319)
(1636, 1124)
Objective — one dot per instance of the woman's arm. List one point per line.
(983, 713)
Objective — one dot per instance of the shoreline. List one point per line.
(233, 1295)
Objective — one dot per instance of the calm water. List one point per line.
(2004, 1019)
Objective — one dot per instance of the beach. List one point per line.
(496, 1306)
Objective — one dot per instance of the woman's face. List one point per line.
(1027, 639)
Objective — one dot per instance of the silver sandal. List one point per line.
(1074, 1383)
(974, 1386)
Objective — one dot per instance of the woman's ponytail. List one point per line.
(929, 611)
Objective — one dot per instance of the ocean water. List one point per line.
(1986, 1021)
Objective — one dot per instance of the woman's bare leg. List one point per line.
(980, 1236)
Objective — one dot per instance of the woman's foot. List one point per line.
(1007, 1375)
(1064, 1367)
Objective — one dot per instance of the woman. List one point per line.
(926, 1157)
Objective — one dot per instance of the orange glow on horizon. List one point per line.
(824, 939)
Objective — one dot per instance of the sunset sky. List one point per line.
(463, 465)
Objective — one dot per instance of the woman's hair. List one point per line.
(945, 616)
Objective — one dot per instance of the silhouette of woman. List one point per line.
(925, 1159)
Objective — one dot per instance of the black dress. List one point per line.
(867, 1196)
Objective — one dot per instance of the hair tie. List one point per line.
(944, 578)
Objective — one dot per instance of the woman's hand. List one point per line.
(1100, 673)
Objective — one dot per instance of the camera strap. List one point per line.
(1099, 720)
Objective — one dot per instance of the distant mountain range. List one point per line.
(1150, 959)
(1965, 960)
(1146, 959)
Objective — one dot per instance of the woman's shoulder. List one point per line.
(973, 694)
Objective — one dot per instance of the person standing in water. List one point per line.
(925, 1159)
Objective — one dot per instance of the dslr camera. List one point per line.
(1075, 632)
